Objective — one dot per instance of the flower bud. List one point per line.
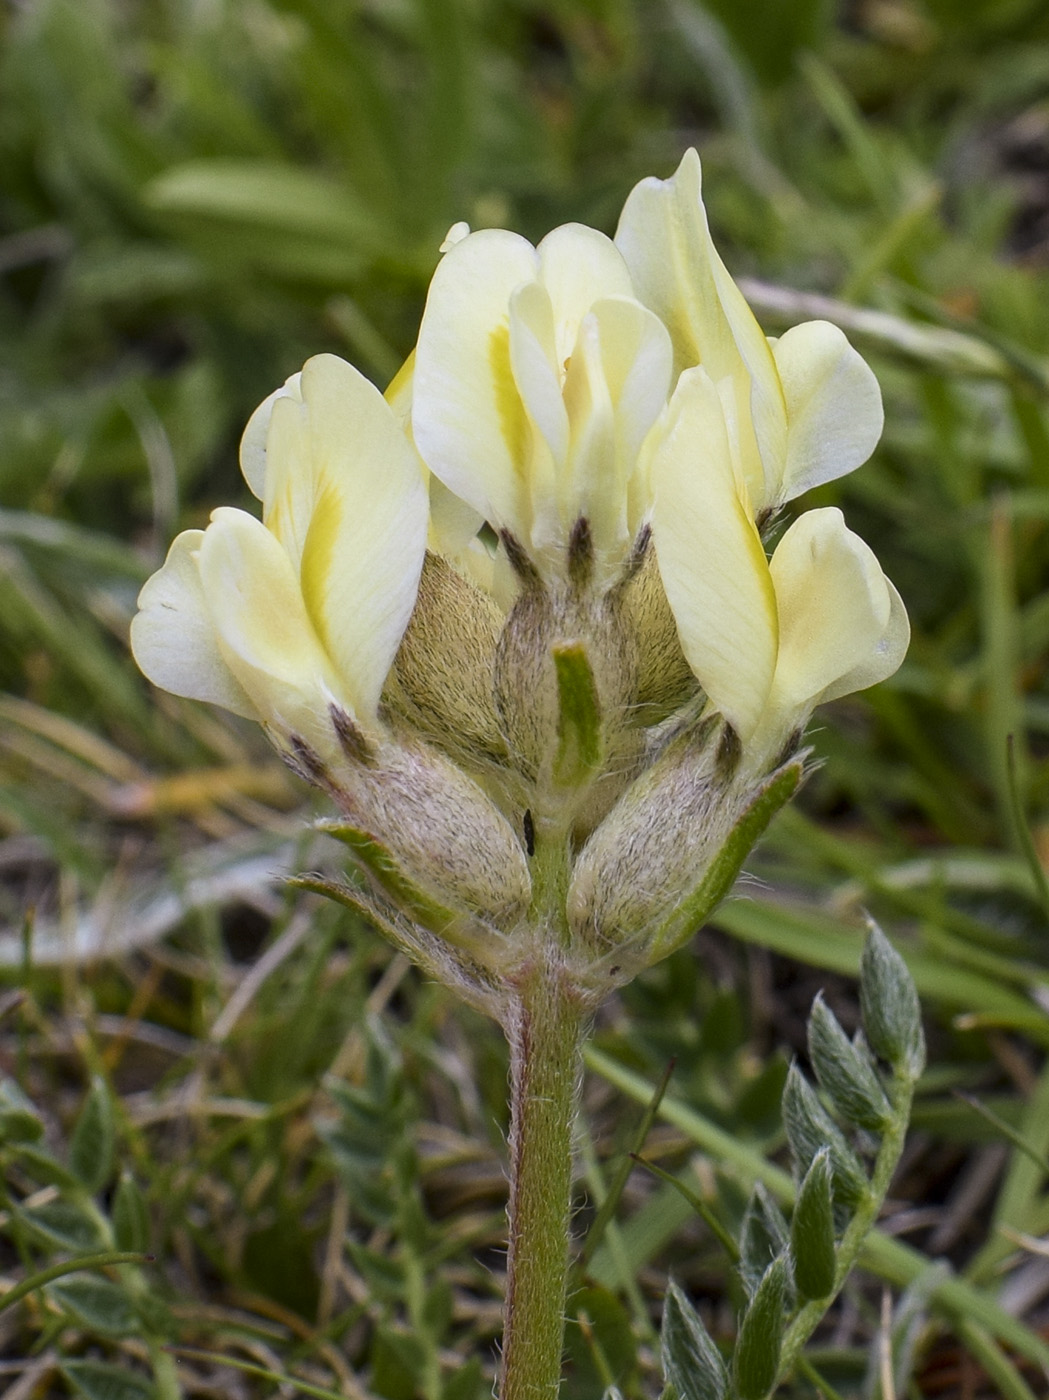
(442, 677)
(435, 821)
(665, 680)
(671, 848)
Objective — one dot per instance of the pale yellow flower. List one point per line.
(630, 384)
(767, 639)
(537, 376)
(556, 686)
(283, 618)
(800, 410)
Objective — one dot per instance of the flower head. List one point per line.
(518, 617)
(538, 374)
(284, 618)
(295, 620)
(768, 639)
(800, 410)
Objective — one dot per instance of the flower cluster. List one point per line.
(517, 616)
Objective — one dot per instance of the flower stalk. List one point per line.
(546, 1029)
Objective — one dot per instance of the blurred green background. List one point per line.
(195, 195)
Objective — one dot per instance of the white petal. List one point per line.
(591, 484)
(253, 439)
(617, 384)
(264, 633)
(886, 657)
(834, 410)
(710, 556)
(637, 359)
(578, 266)
(173, 638)
(664, 236)
(350, 506)
(453, 524)
(533, 359)
(455, 234)
(290, 494)
(467, 417)
(842, 625)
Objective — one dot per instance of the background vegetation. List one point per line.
(194, 196)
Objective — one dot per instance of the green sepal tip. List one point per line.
(371, 856)
(580, 737)
(697, 906)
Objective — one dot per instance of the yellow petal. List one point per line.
(710, 556)
(834, 410)
(346, 497)
(263, 631)
(664, 236)
(467, 417)
(842, 624)
(398, 393)
(173, 638)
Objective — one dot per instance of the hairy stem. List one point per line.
(545, 1029)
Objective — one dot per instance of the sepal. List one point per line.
(375, 861)
(441, 682)
(441, 832)
(436, 957)
(564, 683)
(724, 870)
(665, 681)
(636, 888)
